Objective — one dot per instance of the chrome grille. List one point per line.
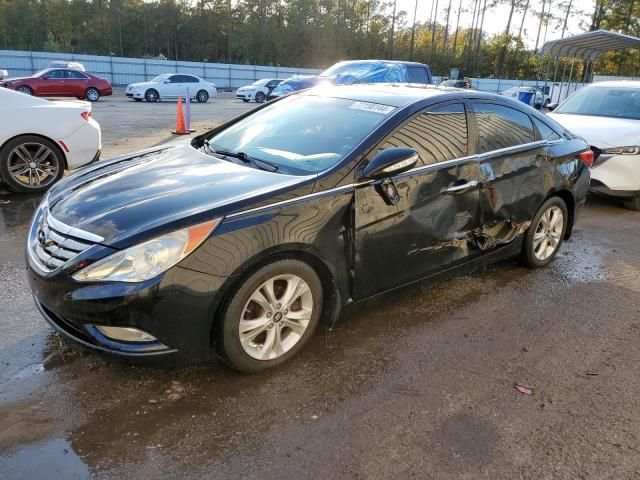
(53, 243)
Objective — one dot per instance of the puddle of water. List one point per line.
(53, 460)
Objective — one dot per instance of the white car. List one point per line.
(258, 90)
(39, 139)
(607, 115)
(171, 86)
(539, 99)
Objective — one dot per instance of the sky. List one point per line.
(497, 21)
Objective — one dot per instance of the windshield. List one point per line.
(619, 102)
(302, 135)
(160, 78)
(353, 69)
(260, 83)
(40, 72)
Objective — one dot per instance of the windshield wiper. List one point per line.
(262, 164)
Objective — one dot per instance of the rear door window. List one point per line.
(76, 75)
(55, 74)
(417, 75)
(438, 134)
(501, 127)
(545, 132)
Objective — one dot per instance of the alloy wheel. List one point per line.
(547, 236)
(25, 90)
(275, 317)
(33, 165)
(92, 95)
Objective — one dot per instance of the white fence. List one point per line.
(123, 71)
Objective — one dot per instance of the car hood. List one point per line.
(16, 79)
(601, 131)
(142, 85)
(130, 199)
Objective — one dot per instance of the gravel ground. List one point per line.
(418, 385)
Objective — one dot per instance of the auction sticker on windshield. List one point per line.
(372, 107)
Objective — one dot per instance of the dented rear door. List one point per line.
(513, 168)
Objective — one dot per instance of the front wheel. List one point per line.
(260, 97)
(24, 89)
(92, 94)
(270, 317)
(202, 96)
(546, 233)
(632, 204)
(151, 95)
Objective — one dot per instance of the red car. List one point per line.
(61, 82)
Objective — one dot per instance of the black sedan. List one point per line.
(240, 241)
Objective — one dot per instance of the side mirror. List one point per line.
(552, 106)
(389, 162)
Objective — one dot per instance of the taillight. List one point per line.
(586, 157)
(86, 115)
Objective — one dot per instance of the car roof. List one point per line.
(398, 62)
(617, 83)
(401, 94)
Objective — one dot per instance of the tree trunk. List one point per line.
(393, 28)
(434, 26)
(413, 30)
(455, 38)
(446, 28)
(535, 50)
(475, 60)
(503, 49)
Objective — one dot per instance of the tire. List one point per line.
(274, 327)
(632, 203)
(25, 89)
(92, 94)
(260, 97)
(17, 157)
(546, 234)
(245, 100)
(202, 96)
(151, 95)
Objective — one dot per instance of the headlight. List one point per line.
(146, 260)
(622, 151)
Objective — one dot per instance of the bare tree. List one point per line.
(413, 31)
(503, 49)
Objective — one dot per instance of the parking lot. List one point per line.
(417, 385)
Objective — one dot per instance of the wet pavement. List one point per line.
(418, 385)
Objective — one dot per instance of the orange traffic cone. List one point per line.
(180, 127)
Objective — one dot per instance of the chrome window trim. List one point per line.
(416, 170)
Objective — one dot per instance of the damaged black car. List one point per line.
(238, 243)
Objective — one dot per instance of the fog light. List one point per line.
(125, 334)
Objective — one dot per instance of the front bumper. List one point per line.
(177, 308)
(134, 94)
(616, 175)
(244, 96)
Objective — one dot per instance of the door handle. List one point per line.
(462, 187)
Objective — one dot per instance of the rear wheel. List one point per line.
(270, 317)
(24, 89)
(92, 94)
(632, 204)
(151, 95)
(202, 96)
(260, 97)
(546, 233)
(30, 164)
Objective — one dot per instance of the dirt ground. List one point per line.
(418, 385)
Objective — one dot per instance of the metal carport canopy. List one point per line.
(589, 45)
